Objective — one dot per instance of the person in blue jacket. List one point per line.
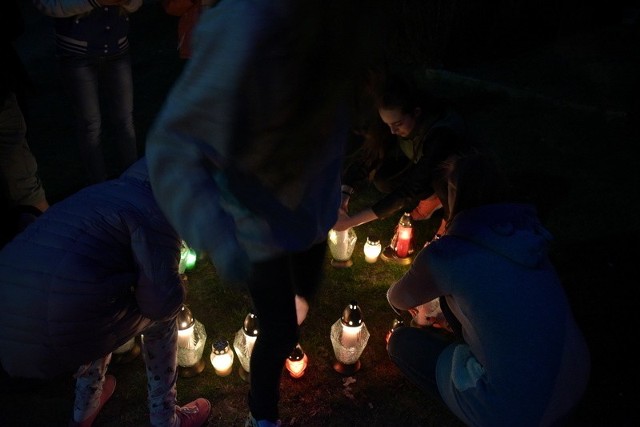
(92, 272)
(516, 357)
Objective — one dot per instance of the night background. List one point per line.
(551, 86)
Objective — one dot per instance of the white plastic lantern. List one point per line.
(372, 249)
(222, 357)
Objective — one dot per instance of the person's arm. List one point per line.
(417, 286)
(345, 221)
(160, 289)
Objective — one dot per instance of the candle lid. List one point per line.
(352, 316)
(297, 354)
(185, 318)
(221, 346)
(250, 325)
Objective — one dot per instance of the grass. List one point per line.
(571, 159)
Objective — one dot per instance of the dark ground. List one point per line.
(570, 145)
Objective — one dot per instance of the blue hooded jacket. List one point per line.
(92, 272)
(524, 361)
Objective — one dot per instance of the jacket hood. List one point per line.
(495, 226)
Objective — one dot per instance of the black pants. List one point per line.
(273, 287)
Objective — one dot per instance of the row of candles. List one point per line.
(342, 243)
(349, 334)
(349, 337)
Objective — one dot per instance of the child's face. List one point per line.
(399, 123)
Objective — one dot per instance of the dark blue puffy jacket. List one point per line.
(92, 272)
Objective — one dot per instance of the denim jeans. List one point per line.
(415, 352)
(92, 83)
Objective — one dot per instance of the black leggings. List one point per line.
(273, 287)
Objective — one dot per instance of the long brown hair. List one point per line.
(477, 179)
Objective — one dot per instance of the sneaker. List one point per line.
(194, 414)
(426, 208)
(252, 422)
(107, 391)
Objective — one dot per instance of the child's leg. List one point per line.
(89, 381)
(160, 352)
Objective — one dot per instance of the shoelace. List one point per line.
(188, 409)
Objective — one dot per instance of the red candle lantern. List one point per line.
(404, 233)
(401, 247)
(297, 362)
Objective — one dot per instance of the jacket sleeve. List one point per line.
(417, 286)
(159, 291)
(424, 175)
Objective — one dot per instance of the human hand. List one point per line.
(344, 202)
(302, 308)
(343, 222)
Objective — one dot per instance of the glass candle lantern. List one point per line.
(398, 322)
(297, 362)
(222, 357)
(372, 249)
(188, 258)
(404, 235)
(243, 343)
(191, 340)
(341, 246)
(349, 336)
(401, 247)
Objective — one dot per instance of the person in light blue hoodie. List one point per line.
(516, 356)
(245, 159)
